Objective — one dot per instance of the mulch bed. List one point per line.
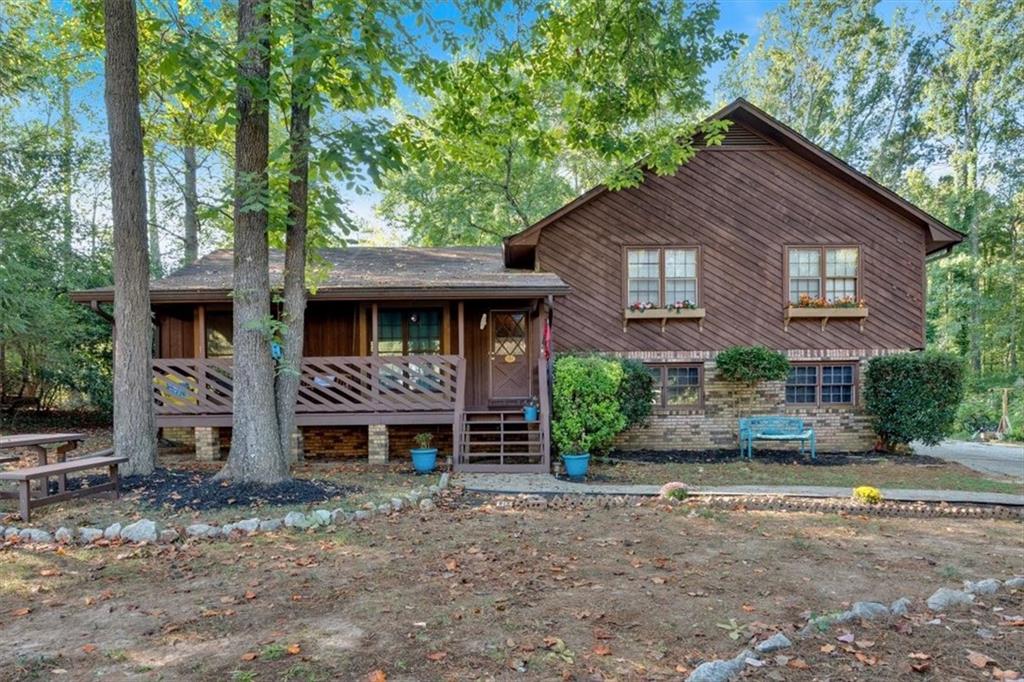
(826, 459)
(196, 490)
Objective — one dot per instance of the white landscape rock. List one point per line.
(143, 530)
(1014, 583)
(270, 525)
(248, 525)
(900, 607)
(87, 535)
(869, 610)
(113, 531)
(988, 586)
(35, 535)
(720, 671)
(427, 504)
(340, 516)
(296, 520)
(64, 535)
(773, 643)
(945, 598)
(10, 532)
(198, 530)
(168, 536)
(320, 517)
(397, 503)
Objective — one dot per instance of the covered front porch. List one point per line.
(488, 359)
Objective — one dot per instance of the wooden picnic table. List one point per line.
(34, 442)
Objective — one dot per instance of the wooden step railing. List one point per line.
(384, 384)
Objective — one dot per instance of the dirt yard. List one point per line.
(477, 592)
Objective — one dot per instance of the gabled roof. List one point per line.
(363, 273)
(940, 236)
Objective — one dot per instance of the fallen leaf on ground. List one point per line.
(922, 667)
(249, 656)
(920, 656)
(846, 638)
(602, 650)
(798, 664)
(827, 648)
(437, 656)
(998, 674)
(88, 648)
(377, 676)
(977, 659)
(21, 612)
(293, 649)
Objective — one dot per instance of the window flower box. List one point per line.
(825, 314)
(663, 315)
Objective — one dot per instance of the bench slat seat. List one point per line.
(776, 428)
(24, 478)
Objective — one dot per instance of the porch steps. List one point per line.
(500, 438)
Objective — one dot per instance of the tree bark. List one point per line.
(67, 169)
(134, 425)
(155, 264)
(294, 306)
(191, 207)
(255, 443)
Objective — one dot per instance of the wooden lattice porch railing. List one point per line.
(328, 385)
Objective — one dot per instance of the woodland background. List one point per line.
(458, 126)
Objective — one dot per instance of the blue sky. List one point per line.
(742, 16)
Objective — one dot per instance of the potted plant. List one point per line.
(424, 457)
(531, 410)
(587, 413)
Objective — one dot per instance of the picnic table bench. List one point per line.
(34, 442)
(60, 470)
(774, 428)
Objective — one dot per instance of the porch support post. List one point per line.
(373, 331)
(462, 329)
(207, 443)
(378, 443)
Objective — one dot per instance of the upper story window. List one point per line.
(662, 276)
(826, 275)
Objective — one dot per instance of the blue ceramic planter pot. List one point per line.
(576, 465)
(530, 413)
(424, 459)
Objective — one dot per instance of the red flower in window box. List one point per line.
(640, 307)
(682, 305)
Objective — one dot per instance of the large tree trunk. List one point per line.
(294, 307)
(134, 426)
(155, 264)
(255, 444)
(191, 207)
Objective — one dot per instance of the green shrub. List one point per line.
(913, 396)
(636, 395)
(751, 364)
(587, 414)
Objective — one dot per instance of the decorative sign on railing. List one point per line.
(326, 385)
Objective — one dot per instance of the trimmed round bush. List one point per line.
(587, 414)
(867, 495)
(913, 396)
(751, 364)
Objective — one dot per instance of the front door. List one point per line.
(509, 355)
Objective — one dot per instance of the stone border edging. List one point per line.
(147, 531)
(764, 503)
(724, 670)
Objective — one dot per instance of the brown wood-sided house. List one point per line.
(765, 239)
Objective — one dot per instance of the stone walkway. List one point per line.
(546, 484)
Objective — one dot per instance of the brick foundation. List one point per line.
(400, 439)
(377, 435)
(341, 442)
(179, 435)
(208, 442)
(716, 424)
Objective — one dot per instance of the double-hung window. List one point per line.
(677, 386)
(662, 276)
(823, 274)
(821, 384)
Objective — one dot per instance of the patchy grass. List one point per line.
(880, 473)
(477, 592)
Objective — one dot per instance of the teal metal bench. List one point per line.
(773, 428)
